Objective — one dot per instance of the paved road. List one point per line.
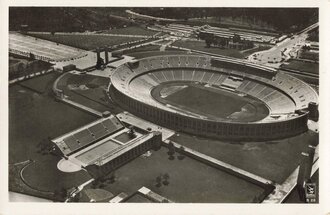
(282, 51)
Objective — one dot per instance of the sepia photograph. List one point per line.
(143, 104)
(163, 105)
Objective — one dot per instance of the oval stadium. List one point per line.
(214, 97)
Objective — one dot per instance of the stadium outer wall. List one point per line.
(235, 131)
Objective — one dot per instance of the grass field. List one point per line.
(143, 54)
(213, 103)
(205, 101)
(40, 83)
(33, 118)
(132, 30)
(257, 49)
(273, 160)
(87, 42)
(32, 66)
(93, 96)
(302, 66)
(142, 49)
(201, 46)
(190, 180)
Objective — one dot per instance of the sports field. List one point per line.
(189, 180)
(34, 116)
(215, 103)
(273, 160)
(86, 89)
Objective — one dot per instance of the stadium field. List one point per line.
(214, 103)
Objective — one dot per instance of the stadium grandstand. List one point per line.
(274, 102)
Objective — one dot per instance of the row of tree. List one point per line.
(65, 19)
(287, 19)
(224, 42)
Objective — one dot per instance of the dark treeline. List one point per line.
(283, 19)
(75, 19)
(82, 18)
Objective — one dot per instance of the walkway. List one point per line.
(223, 166)
(32, 75)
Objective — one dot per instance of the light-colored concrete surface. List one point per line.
(18, 197)
(284, 50)
(138, 122)
(155, 196)
(67, 166)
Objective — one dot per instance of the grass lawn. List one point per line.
(189, 180)
(201, 46)
(257, 49)
(144, 54)
(33, 66)
(87, 42)
(302, 66)
(40, 83)
(44, 175)
(142, 49)
(273, 160)
(92, 97)
(132, 30)
(33, 117)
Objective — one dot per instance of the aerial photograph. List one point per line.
(163, 105)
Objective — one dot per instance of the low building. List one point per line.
(104, 145)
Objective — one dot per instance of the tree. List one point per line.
(236, 38)
(99, 63)
(131, 132)
(45, 146)
(223, 42)
(158, 181)
(181, 151)
(208, 43)
(209, 39)
(166, 177)
(32, 56)
(171, 150)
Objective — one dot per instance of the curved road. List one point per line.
(283, 50)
